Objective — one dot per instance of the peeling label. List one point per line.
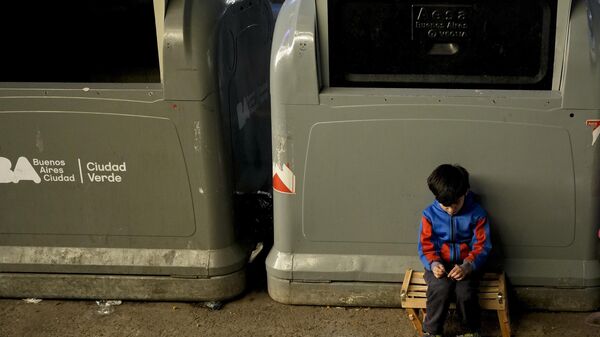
(595, 124)
(197, 136)
(284, 180)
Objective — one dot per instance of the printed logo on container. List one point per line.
(441, 23)
(284, 180)
(60, 171)
(250, 104)
(595, 124)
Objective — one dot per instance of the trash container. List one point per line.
(117, 166)
(369, 97)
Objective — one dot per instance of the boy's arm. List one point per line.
(481, 243)
(427, 252)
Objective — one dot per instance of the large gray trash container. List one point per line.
(115, 181)
(368, 98)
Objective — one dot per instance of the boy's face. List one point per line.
(454, 208)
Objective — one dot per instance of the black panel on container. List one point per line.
(505, 44)
(78, 41)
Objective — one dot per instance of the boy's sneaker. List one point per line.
(470, 334)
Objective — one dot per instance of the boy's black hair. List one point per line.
(448, 183)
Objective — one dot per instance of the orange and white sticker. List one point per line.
(284, 180)
(595, 124)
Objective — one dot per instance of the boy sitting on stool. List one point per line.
(454, 243)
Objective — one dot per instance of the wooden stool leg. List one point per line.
(415, 320)
(504, 321)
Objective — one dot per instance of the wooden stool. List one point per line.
(492, 296)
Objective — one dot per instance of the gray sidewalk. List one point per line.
(253, 314)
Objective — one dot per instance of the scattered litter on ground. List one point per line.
(32, 300)
(106, 307)
(213, 305)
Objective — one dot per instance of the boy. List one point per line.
(454, 243)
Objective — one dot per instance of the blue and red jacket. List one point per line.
(448, 239)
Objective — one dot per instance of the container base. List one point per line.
(122, 287)
(374, 294)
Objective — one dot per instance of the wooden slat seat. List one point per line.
(492, 296)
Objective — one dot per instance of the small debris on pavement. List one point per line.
(213, 305)
(32, 300)
(106, 307)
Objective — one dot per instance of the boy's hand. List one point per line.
(456, 273)
(460, 272)
(438, 270)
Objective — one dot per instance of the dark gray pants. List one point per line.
(440, 292)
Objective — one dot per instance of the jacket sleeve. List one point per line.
(481, 244)
(427, 252)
